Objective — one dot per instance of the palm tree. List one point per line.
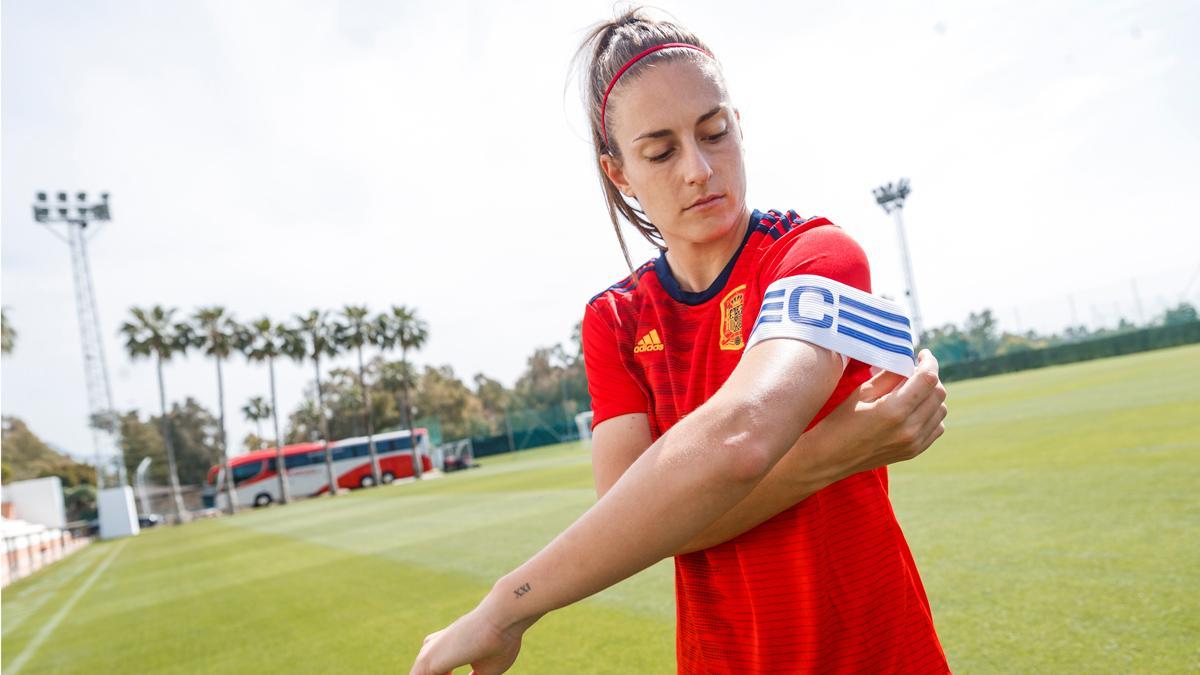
(215, 332)
(356, 331)
(256, 410)
(260, 341)
(151, 333)
(404, 328)
(311, 337)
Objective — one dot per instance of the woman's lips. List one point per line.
(706, 203)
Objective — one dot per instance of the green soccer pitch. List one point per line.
(1055, 526)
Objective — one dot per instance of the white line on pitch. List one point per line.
(45, 631)
(52, 583)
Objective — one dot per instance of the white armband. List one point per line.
(839, 318)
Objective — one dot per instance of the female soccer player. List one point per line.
(706, 367)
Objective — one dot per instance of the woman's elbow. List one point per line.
(749, 457)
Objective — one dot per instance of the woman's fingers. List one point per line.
(909, 395)
(916, 432)
(929, 425)
(937, 419)
(935, 432)
(882, 383)
(908, 433)
(926, 408)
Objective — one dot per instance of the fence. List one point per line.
(28, 548)
(525, 429)
(1146, 339)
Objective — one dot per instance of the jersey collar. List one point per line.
(663, 270)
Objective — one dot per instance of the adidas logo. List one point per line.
(650, 342)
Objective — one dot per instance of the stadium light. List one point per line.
(76, 216)
(891, 197)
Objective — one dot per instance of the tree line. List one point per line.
(980, 337)
(154, 333)
(381, 393)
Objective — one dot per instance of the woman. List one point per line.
(706, 366)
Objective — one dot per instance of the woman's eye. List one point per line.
(717, 136)
(663, 156)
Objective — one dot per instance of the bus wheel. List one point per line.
(366, 481)
(262, 500)
(388, 477)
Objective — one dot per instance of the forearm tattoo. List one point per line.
(522, 590)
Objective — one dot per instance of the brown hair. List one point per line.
(607, 47)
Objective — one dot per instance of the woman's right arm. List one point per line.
(706, 463)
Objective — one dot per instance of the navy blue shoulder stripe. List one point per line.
(777, 223)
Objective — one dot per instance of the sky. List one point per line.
(275, 157)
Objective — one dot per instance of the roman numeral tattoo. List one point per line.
(522, 590)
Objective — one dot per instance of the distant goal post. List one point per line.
(583, 422)
(454, 455)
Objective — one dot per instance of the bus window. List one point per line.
(293, 461)
(364, 450)
(244, 472)
(343, 452)
(271, 465)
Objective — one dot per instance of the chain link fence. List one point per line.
(522, 429)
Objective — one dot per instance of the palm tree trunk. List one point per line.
(325, 430)
(412, 435)
(284, 492)
(362, 384)
(181, 513)
(224, 451)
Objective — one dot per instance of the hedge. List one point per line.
(1146, 339)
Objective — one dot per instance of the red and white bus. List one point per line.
(256, 482)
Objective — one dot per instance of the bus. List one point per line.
(256, 482)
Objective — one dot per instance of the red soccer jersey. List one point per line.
(826, 586)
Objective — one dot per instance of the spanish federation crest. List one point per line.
(731, 319)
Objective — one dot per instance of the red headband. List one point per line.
(627, 66)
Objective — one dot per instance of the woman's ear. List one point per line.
(613, 170)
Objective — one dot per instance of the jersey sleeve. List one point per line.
(612, 388)
(817, 288)
(823, 251)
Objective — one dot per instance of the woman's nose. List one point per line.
(696, 168)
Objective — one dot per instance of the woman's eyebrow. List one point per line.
(708, 115)
(653, 134)
(667, 132)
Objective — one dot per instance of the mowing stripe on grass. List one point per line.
(45, 589)
(45, 631)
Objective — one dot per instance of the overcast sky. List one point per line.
(274, 157)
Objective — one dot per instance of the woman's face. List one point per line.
(681, 151)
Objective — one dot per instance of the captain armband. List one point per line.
(840, 318)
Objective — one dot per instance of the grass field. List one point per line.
(1056, 525)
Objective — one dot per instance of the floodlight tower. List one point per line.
(891, 198)
(76, 216)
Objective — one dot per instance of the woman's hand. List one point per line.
(475, 639)
(889, 418)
